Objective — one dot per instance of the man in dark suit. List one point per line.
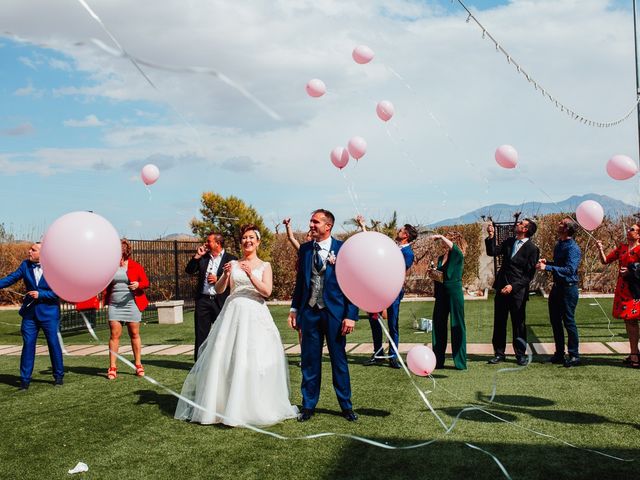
(40, 309)
(321, 310)
(207, 263)
(519, 258)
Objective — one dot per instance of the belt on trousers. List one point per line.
(207, 295)
(565, 284)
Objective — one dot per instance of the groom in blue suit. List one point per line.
(40, 309)
(321, 310)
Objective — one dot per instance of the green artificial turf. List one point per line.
(124, 428)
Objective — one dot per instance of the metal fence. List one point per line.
(164, 263)
(503, 230)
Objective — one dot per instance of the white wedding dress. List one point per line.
(241, 376)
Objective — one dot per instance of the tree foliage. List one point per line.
(225, 215)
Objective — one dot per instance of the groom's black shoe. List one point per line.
(349, 415)
(305, 414)
(497, 359)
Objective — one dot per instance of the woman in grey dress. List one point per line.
(126, 299)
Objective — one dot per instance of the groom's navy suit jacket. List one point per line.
(335, 301)
(46, 306)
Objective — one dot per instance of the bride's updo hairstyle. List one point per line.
(248, 227)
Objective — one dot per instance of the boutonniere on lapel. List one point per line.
(331, 258)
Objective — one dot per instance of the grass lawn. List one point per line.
(125, 428)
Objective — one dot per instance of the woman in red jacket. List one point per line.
(126, 299)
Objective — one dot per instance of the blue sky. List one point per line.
(77, 123)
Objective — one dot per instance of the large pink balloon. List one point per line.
(589, 214)
(370, 270)
(507, 156)
(621, 167)
(339, 157)
(421, 360)
(150, 174)
(80, 255)
(357, 147)
(362, 54)
(385, 110)
(315, 87)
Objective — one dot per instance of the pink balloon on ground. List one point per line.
(385, 110)
(370, 269)
(362, 54)
(339, 157)
(507, 156)
(316, 88)
(357, 147)
(80, 255)
(590, 214)
(621, 167)
(150, 174)
(421, 360)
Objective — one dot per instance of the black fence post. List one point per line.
(175, 266)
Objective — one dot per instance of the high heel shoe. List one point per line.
(139, 371)
(112, 373)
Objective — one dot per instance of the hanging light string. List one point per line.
(536, 85)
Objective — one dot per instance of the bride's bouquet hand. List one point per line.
(244, 266)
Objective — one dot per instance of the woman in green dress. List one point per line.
(450, 302)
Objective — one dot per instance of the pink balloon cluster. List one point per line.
(150, 174)
(590, 214)
(370, 270)
(421, 360)
(80, 255)
(621, 167)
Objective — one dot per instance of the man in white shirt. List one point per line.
(207, 263)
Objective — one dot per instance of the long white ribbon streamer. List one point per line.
(492, 397)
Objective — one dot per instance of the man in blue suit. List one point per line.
(405, 235)
(40, 309)
(321, 310)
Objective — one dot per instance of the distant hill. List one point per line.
(179, 237)
(502, 212)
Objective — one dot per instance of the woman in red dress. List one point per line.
(625, 306)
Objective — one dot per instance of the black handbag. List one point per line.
(632, 277)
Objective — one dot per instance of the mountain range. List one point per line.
(503, 212)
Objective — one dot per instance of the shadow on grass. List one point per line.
(14, 380)
(166, 402)
(446, 459)
(169, 363)
(89, 371)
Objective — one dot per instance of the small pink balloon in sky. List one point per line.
(590, 214)
(316, 88)
(150, 174)
(385, 110)
(339, 157)
(507, 156)
(357, 147)
(362, 54)
(621, 167)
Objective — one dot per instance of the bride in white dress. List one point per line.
(241, 376)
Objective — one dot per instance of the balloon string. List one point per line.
(350, 192)
(440, 126)
(491, 399)
(148, 191)
(179, 396)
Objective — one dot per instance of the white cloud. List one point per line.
(88, 121)
(18, 131)
(29, 91)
